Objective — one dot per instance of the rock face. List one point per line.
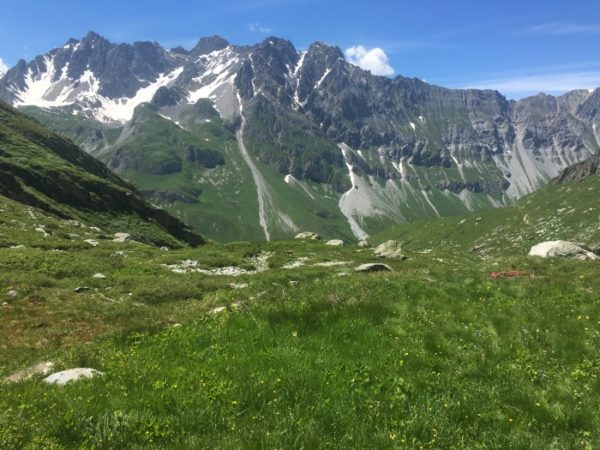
(335, 243)
(66, 376)
(390, 249)
(366, 142)
(563, 249)
(373, 267)
(580, 171)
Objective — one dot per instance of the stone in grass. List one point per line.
(66, 376)
(99, 276)
(121, 237)
(43, 368)
(12, 294)
(81, 289)
(390, 249)
(563, 249)
(335, 243)
(373, 267)
(364, 244)
(308, 235)
(92, 242)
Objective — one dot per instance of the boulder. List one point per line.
(308, 235)
(335, 243)
(373, 267)
(563, 249)
(390, 249)
(121, 237)
(66, 376)
(364, 244)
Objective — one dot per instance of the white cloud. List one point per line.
(563, 28)
(258, 28)
(374, 60)
(3, 67)
(549, 83)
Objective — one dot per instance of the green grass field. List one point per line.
(437, 354)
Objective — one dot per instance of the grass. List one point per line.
(437, 354)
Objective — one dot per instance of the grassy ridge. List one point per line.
(566, 211)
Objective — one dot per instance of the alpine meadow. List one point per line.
(266, 242)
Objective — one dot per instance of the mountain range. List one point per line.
(260, 142)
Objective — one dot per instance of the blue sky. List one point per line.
(520, 47)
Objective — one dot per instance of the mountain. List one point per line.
(263, 141)
(43, 170)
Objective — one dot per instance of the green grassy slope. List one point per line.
(557, 211)
(39, 168)
(437, 354)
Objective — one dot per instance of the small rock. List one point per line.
(292, 283)
(335, 243)
(238, 285)
(92, 242)
(5, 304)
(75, 223)
(364, 244)
(217, 310)
(177, 325)
(390, 249)
(17, 247)
(96, 229)
(42, 368)
(12, 294)
(308, 235)
(66, 376)
(81, 289)
(165, 249)
(99, 276)
(121, 237)
(373, 267)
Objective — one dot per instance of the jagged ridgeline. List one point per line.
(263, 141)
(41, 169)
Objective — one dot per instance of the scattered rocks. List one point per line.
(99, 276)
(121, 237)
(92, 242)
(66, 376)
(364, 244)
(308, 235)
(390, 249)
(335, 243)
(260, 262)
(43, 368)
(373, 267)
(12, 294)
(81, 289)
(563, 249)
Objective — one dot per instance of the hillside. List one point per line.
(566, 210)
(262, 141)
(40, 169)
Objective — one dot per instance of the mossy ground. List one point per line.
(437, 354)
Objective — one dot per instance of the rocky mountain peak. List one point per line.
(209, 44)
